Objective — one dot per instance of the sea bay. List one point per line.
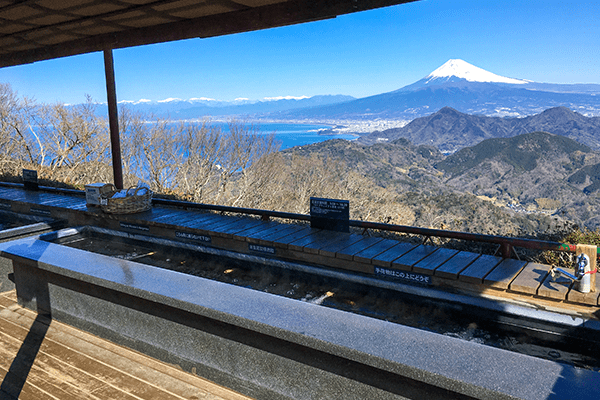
(291, 135)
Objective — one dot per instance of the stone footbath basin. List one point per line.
(473, 320)
(270, 346)
(14, 225)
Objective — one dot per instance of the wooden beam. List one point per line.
(249, 19)
(113, 118)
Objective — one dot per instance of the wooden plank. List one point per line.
(412, 257)
(11, 295)
(29, 391)
(270, 229)
(591, 298)
(62, 201)
(156, 214)
(367, 254)
(479, 268)
(14, 195)
(116, 367)
(51, 199)
(200, 220)
(244, 226)
(331, 241)
(286, 240)
(5, 191)
(333, 237)
(218, 223)
(348, 253)
(456, 265)
(62, 381)
(5, 302)
(288, 229)
(26, 197)
(181, 219)
(20, 352)
(91, 376)
(319, 236)
(333, 248)
(504, 273)
(555, 289)
(250, 227)
(190, 219)
(176, 216)
(530, 278)
(429, 264)
(33, 198)
(385, 259)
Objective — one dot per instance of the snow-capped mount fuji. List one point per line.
(460, 69)
(468, 89)
(456, 72)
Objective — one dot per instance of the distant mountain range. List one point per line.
(465, 88)
(450, 130)
(179, 109)
(456, 84)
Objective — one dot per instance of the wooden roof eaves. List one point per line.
(270, 16)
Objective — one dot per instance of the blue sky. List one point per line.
(359, 54)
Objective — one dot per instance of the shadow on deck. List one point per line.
(46, 359)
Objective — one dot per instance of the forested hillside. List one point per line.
(450, 130)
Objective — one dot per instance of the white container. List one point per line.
(93, 192)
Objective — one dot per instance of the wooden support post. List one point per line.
(113, 118)
(592, 252)
(506, 250)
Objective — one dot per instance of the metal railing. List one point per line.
(506, 244)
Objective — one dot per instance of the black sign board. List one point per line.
(330, 214)
(30, 179)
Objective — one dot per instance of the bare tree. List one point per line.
(156, 152)
(244, 146)
(74, 134)
(215, 158)
(16, 116)
(204, 149)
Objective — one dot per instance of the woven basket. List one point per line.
(130, 204)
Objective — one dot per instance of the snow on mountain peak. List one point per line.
(285, 98)
(464, 70)
(201, 99)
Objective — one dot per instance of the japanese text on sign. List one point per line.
(403, 275)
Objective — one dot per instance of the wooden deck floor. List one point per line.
(45, 359)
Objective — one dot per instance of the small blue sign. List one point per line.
(193, 236)
(136, 227)
(261, 249)
(403, 275)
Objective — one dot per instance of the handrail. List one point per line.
(506, 243)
